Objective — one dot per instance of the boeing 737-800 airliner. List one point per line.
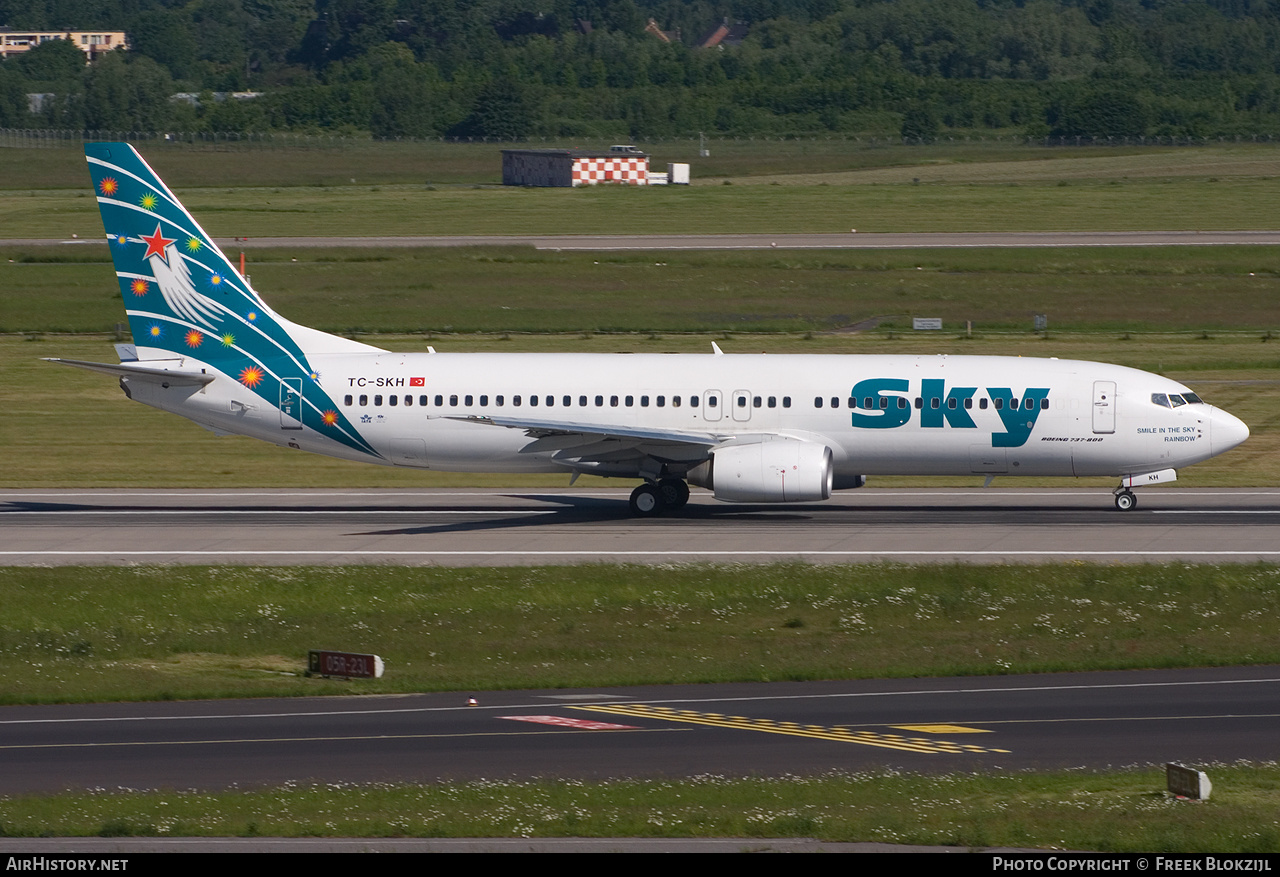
(750, 428)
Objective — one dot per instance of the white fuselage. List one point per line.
(879, 415)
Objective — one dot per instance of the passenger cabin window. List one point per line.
(393, 401)
(346, 400)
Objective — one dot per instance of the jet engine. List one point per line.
(771, 471)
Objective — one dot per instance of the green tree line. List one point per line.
(584, 68)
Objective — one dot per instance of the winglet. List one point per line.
(715, 348)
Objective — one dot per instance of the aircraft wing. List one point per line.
(539, 428)
(169, 371)
(573, 441)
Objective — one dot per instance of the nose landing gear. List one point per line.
(1126, 500)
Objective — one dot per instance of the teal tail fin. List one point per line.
(182, 294)
(186, 300)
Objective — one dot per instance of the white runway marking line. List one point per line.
(612, 699)
(1215, 511)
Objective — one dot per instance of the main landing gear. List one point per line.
(649, 500)
(1126, 500)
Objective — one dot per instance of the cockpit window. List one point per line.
(1175, 400)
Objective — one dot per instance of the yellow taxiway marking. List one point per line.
(794, 729)
(941, 729)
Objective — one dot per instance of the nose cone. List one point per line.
(1226, 431)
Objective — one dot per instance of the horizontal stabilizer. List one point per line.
(167, 370)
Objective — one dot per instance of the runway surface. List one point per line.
(1092, 720)
(512, 527)
(843, 240)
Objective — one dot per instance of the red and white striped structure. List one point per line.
(634, 170)
(573, 167)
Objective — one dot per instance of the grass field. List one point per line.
(92, 633)
(325, 162)
(389, 189)
(520, 289)
(1114, 811)
(363, 211)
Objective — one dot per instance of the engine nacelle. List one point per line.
(773, 471)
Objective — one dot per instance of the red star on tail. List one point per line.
(156, 244)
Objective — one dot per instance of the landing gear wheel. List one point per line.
(1125, 500)
(646, 501)
(675, 493)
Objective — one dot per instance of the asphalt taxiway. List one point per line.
(1068, 720)
(510, 527)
